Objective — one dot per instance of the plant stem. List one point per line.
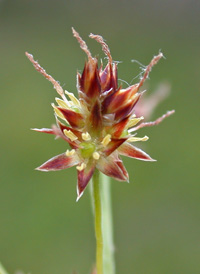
(98, 222)
(107, 227)
(2, 270)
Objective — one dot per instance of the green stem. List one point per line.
(98, 222)
(107, 227)
(2, 270)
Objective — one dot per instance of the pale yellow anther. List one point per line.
(106, 140)
(134, 121)
(70, 152)
(136, 139)
(58, 112)
(96, 155)
(73, 98)
(81, 167)
(86, 136)
(61, 103)
(70, 135)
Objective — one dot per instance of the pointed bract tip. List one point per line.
(149, 159)
(153, 160)
(79, 195)
(39, 169)
(36, 129)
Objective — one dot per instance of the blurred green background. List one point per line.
(157, 216)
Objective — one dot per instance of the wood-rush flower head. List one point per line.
(98, 125)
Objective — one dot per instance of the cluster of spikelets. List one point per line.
(100, 125)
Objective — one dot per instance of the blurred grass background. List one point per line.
(157, 216)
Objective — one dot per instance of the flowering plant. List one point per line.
(99, 126)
